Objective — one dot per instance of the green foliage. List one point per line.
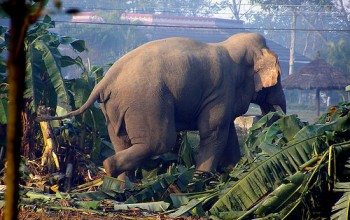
(189, 143)
(292, 170)
(44, 79)
(273, 169)
(278, 4)
(291, 163)
(338, 55)
(188, 7)
(3, 77)
(91, 120)
(46, 85)
(341, 209)
(3, 99)
(309, 34)
(110, 41)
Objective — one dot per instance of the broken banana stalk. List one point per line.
(48, 155)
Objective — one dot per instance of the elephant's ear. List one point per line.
(266, 69)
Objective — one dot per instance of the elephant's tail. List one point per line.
(94, 96)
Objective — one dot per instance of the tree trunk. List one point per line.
(235, 8)
(292, 44)
(16, 69)
(344, 13)
(318, 102)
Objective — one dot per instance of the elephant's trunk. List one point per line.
(279, 108)
(266, 108)
(280, 104)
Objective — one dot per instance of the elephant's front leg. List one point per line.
(213, 133)
(232, 152)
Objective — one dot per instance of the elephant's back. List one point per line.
(160, 59)
(180, 69)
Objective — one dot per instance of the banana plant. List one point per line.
(44, 79)
(279, 183)
(3, 78)
(92, 122)
(3, 99)
(294, 179)
(46, 85)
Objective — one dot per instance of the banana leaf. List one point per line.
(269, 174)
(182, 199)
(44, 80)
(93, 195)
(151, 206)
(340, 210)
(187, 208)
(157, 188)
(3, 110)
(271, 138)
(314, 190)
(281, 196)
(342, 187)
(88, 204)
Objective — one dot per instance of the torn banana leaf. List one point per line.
(187, 208)
(280, 196)
(88, 204)
(41, 196)
(266, 176)
(151, 206)
(95, 195)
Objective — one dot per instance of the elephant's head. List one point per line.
(263, 64)
(267, 81)
(250, 50)
(271, 98)
(266, 69)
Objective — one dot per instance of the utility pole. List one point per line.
(292, 43)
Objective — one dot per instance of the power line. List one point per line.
(173, 11)
(199, 27)
(249, 4)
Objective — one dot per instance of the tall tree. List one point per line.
(317, 23)
(20, 21)
(295, 8)
(193, 8)
(240, 9)
(338, 54)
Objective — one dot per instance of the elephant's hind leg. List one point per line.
(151, 133)
(120, 141)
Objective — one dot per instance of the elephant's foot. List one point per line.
(110, 166)
(111, 170)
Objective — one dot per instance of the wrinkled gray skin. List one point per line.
(177, 84)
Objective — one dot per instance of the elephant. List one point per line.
(177, 84)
